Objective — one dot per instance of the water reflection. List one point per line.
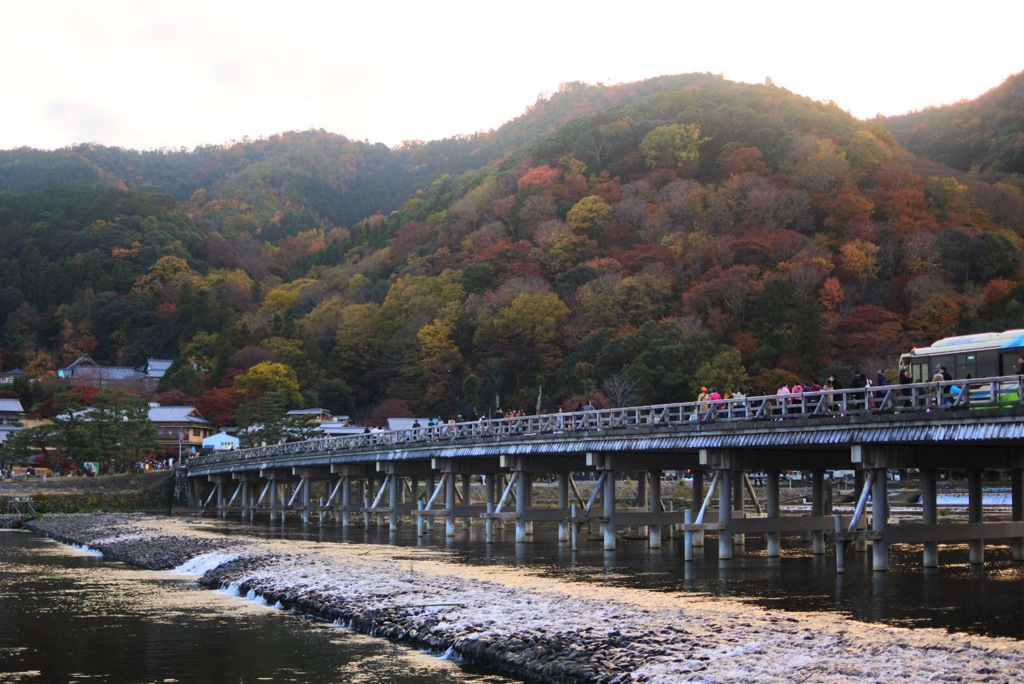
(67, 616)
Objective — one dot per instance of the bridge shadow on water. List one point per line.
(957, 596)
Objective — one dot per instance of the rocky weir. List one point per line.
(537, 628)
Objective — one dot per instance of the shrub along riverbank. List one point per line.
(150, 492)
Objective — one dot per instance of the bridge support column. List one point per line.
(879, 520)
(222, 507)
(467, 488)
(247, 485)
(608, 501)
(725, 512)
(490, 487)
(641, 492)
(360, 492)
(859, 478)
(383, 482)
(346, 501)
(563, 504)
(306, 486)
(698, 498)
(275, 499)
(394, 489)
(654, 506)
(524, 495)
(975, 514)
(739, 539)
(244, 488)
(929, 516)
(773, 539)
(449, 503)
(1017, 509)
(414, 495)
(366, 489)
(431, 485)
(818, 509)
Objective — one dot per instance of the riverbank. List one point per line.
(151, 491)
(543, 629)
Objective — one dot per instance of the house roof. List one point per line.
(309, 412)
(177, 414)
(155, 368)
(220, 439)
(11, 406)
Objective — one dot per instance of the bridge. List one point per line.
(426, 473)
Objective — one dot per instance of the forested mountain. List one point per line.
(986, 134)
(624, 243)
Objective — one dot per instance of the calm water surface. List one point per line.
(66, 616)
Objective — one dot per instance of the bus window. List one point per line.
(966, 366)
(1009, 362)
(922, 372)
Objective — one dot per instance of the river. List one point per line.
(69, 616)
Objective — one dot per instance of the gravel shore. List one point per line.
(543, 629)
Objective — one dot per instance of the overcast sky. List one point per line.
(152, 74)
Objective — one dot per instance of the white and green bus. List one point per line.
(982, 355)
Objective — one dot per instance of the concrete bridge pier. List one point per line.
(608, 503)
(218, 492)
(467, 499)
(725, 511)
(772, 509)
(860, 545)
(305, 487)
(380, 489)
(274, 504)
(277, 480)
(346, 501)
(524, 500)
(654, 506)
(306, 477)
(697, 538)
(739, 539)
(929, 516)
(413, 495)
(564, 532)
(430, 485)
(821, 504)
(248, 483)
(366, 489)
(879, 520)
(490, 483)
(401, 490)
(449, 504)
(975, 514)
(394, 493)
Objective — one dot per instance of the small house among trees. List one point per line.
(180, 426)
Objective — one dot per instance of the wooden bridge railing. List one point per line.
(924, 398)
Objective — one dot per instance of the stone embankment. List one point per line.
(11, 522)
(544, 629)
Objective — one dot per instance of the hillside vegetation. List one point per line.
(624, 243)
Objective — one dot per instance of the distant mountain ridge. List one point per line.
(985, 134)
(619, 243)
